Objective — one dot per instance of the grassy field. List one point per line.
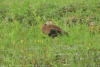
(22, 43)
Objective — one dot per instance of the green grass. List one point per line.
(22, 42)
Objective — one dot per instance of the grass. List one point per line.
(23, 44)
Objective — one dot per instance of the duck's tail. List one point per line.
(65, 33)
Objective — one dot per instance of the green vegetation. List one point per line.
(23, 44)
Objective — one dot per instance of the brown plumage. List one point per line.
(52, 30)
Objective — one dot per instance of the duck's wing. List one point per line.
(58, 29)
(54, 27)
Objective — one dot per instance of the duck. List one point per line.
(52, 30)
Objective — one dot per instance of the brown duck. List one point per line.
(52, 30)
